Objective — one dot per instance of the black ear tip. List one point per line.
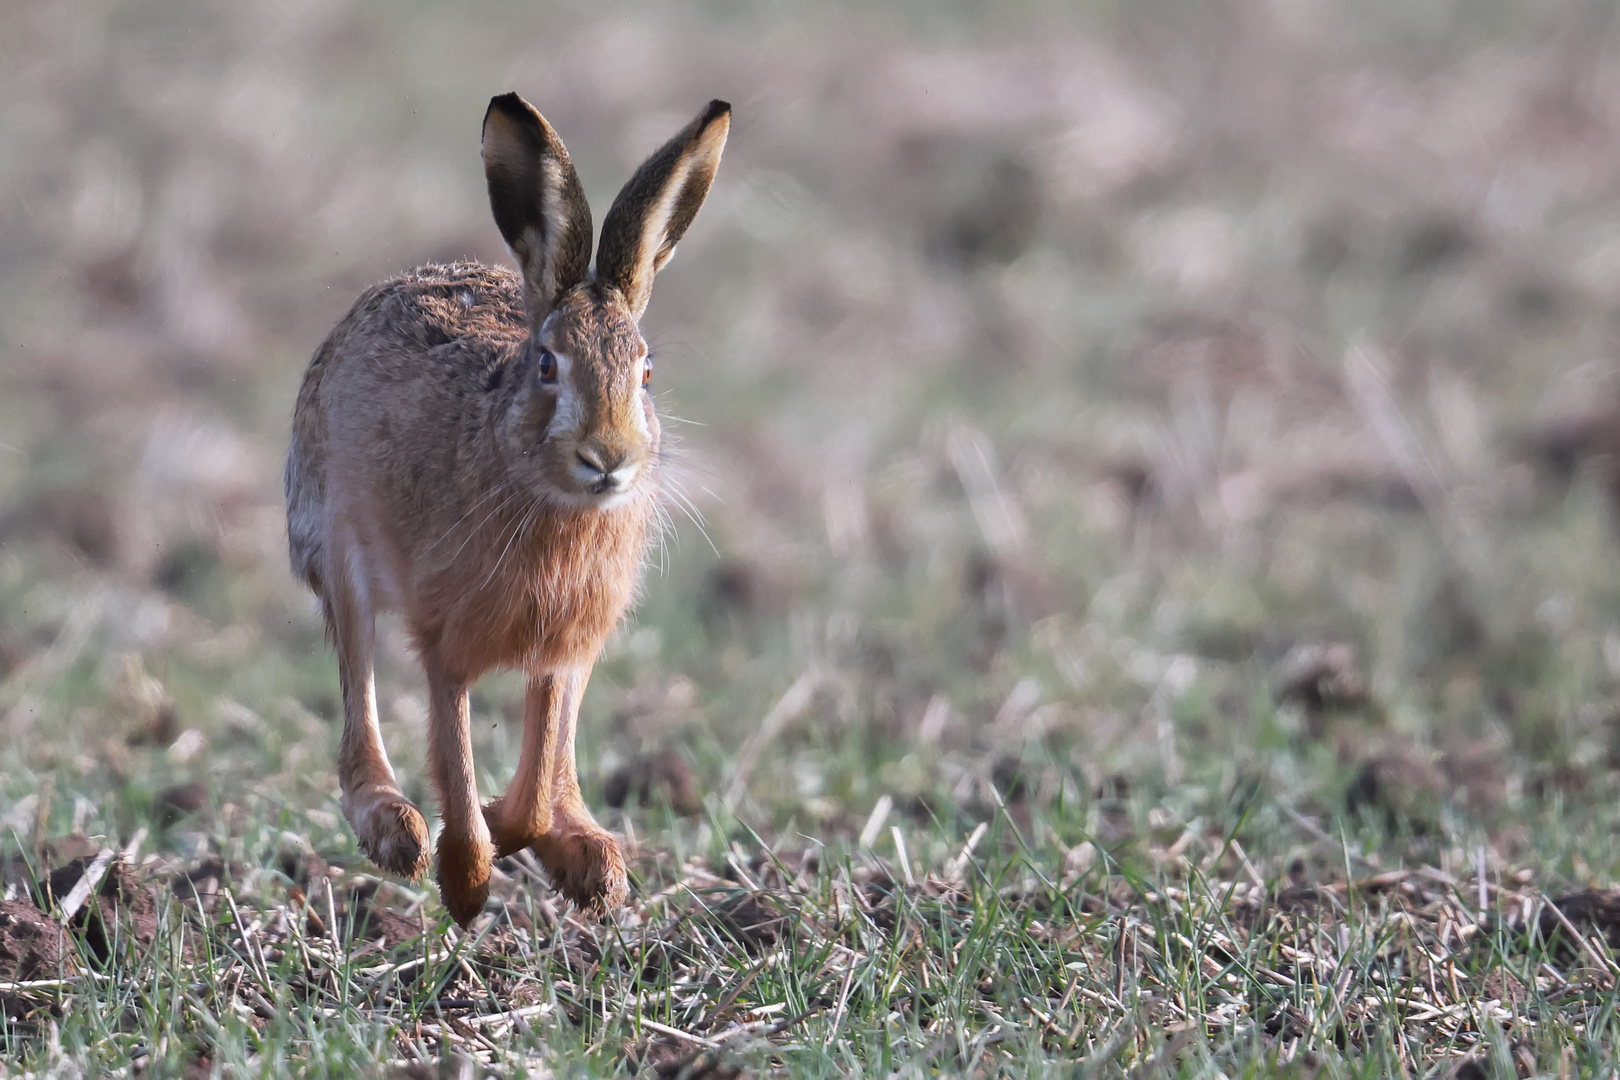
(509, 105)
(715, 111)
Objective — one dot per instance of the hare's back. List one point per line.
(409, 347)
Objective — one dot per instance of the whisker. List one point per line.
(677, 489)
(480, 501)
(679, 497)
(515, 495)
(663, 526)
(522, 526)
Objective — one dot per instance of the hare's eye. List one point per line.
(548, 366)
(646, 372)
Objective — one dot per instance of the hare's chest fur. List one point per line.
(548, 598)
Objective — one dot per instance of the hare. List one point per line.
(478, 450)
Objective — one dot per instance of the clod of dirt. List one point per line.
(29, 944)
(773, 871)
(1320, 676)
(1115, 787)
(61, 881)
(649, 779)
(1448, 623)
(741, 593)
(920, 807)
(370, 919)
(657, 960)
(201, 883)
(16, 875)
(1399, 785)
(698, 1065)
(1351, 480)
(83, 521)
(13, 652)
(1562, 779)
(997, 223)
(114, 282)
(188, 569)
(176, 803)
(579, 953)
(1135, 479)
(161, 727)
(1329, 244)
(1299, 899)
(62, 850)
(1287, 1022)
(118, 896)
(655, 1055)
(144, 706)
(1561, 444)
(756, 920)
(1407, 783)
(1588, 910)
(415, 1070)
(1226, 355)
(1006, 592)
(1434, 242)
(1535, 299)
(1007, 774)
(1477, 773)
(302, 867)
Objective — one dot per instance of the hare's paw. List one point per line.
(464, 876)
(586, 866)
(509, 837)
(392, 833)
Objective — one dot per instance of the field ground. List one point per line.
(1156, 608)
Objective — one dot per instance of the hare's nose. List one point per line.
(600, 459)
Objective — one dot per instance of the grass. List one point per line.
(1155, 607)
(1186, 952)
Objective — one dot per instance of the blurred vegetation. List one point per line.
(1135, 419)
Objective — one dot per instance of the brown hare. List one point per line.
(478, 450)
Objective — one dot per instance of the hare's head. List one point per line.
(581, 429)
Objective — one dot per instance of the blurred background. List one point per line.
(1072, 397)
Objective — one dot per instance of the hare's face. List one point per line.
(586, 434)
(581, 430)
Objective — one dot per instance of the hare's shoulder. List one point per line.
(460, 321)
(435, 305)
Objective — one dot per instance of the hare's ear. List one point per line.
(538, 202)
(651, 214)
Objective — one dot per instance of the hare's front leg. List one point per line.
(465, 853)
(542, 807)
(523, 814)
(583, 859)
(390, 830)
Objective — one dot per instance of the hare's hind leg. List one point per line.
(465, 853)
(390, 830)
(584, 859)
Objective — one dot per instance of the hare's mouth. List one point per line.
(601, 478)
(592, 498)
(599, 491)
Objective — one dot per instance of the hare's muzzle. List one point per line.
(604, 470)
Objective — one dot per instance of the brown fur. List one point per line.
(637, 240)
(435, 472)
